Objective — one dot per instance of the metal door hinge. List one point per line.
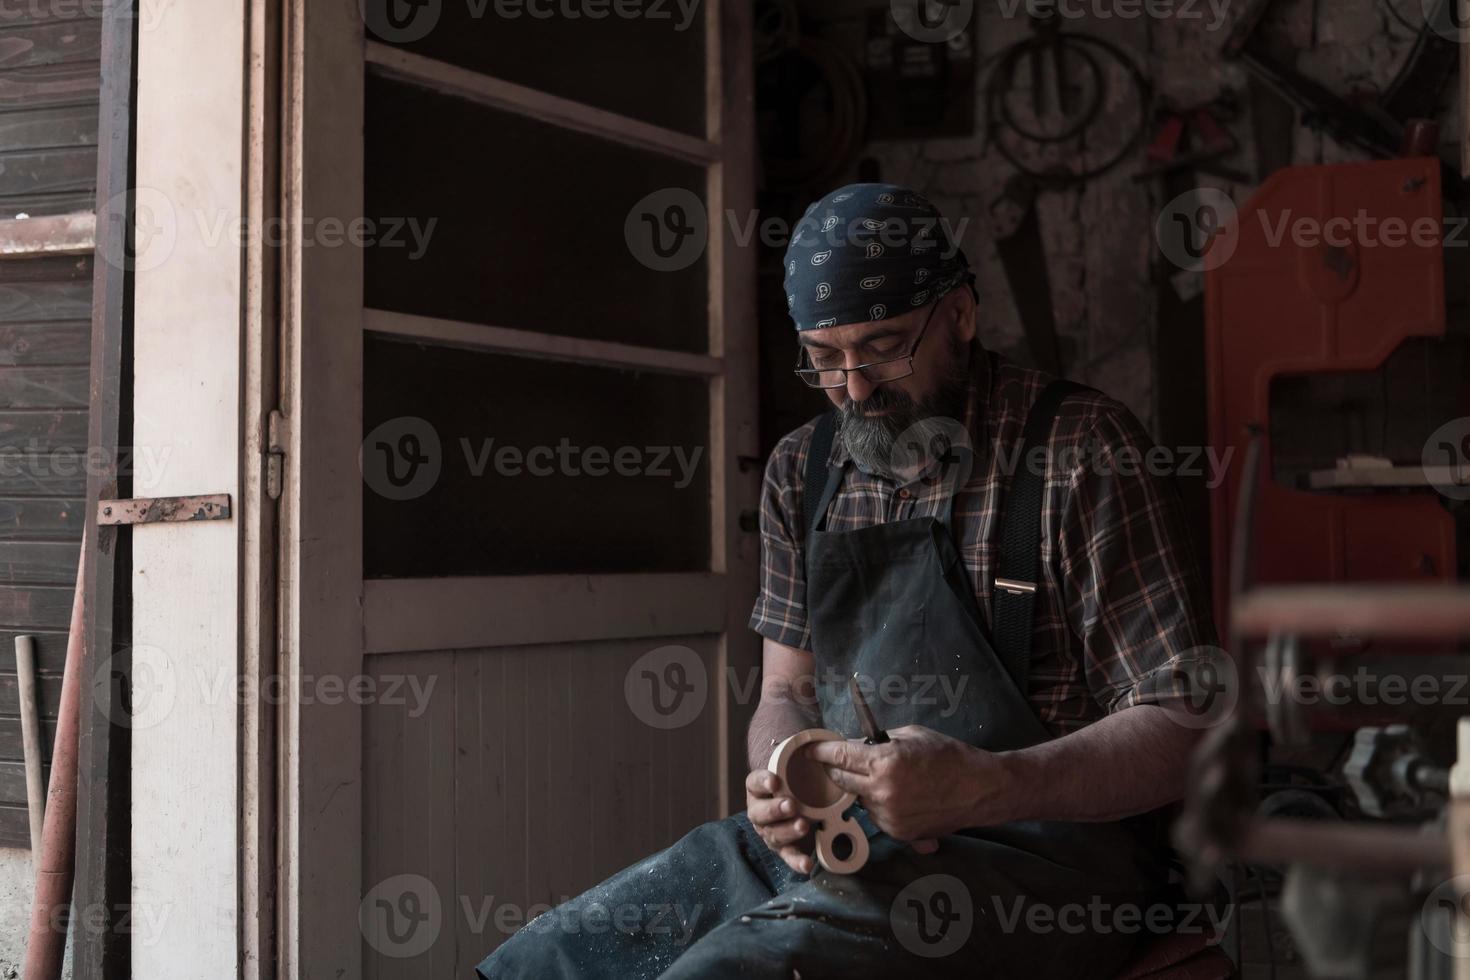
(276, 437)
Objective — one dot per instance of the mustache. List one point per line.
(882, 399)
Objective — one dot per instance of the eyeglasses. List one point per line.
(875, 372)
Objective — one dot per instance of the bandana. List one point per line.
(869, 252)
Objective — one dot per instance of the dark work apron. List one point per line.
(893, 603)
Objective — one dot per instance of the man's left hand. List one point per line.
(919, 785)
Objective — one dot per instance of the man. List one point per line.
(985, 552)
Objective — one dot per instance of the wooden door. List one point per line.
(512, 517)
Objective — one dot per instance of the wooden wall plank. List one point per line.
(63, 430)
(39, 563)
(57, 43)
(72, 83)
(15, 825)
(41, 519)
(40, 606)
(73, 269)
(33, 475)
(41, 301)
(40, 172)
(43, 387)
(71, 125)
(60, 342)
(48, 204)
(20, 16)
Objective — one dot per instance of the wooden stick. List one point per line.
(30, 734)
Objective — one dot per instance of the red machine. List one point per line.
(1304, 294)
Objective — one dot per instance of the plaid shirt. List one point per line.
(1120, 604)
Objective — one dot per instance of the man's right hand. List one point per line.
(774, 818)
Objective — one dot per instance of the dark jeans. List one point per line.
(719, 903)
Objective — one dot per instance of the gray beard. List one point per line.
(870, 440)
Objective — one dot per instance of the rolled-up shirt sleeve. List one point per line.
(780, 609)
(1134, 593)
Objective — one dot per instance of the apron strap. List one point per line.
(1013, 595)
(820, 485)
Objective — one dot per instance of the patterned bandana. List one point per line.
(869, 252)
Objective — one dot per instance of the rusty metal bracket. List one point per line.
(157, 510)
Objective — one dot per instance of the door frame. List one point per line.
(330, 619)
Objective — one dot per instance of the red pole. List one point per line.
(56, 864)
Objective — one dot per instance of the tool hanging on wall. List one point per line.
(1052, 126)
(1045, 102)
(1193, 139)
(1372, 126)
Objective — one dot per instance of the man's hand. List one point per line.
(920, 785)
(774, 818)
